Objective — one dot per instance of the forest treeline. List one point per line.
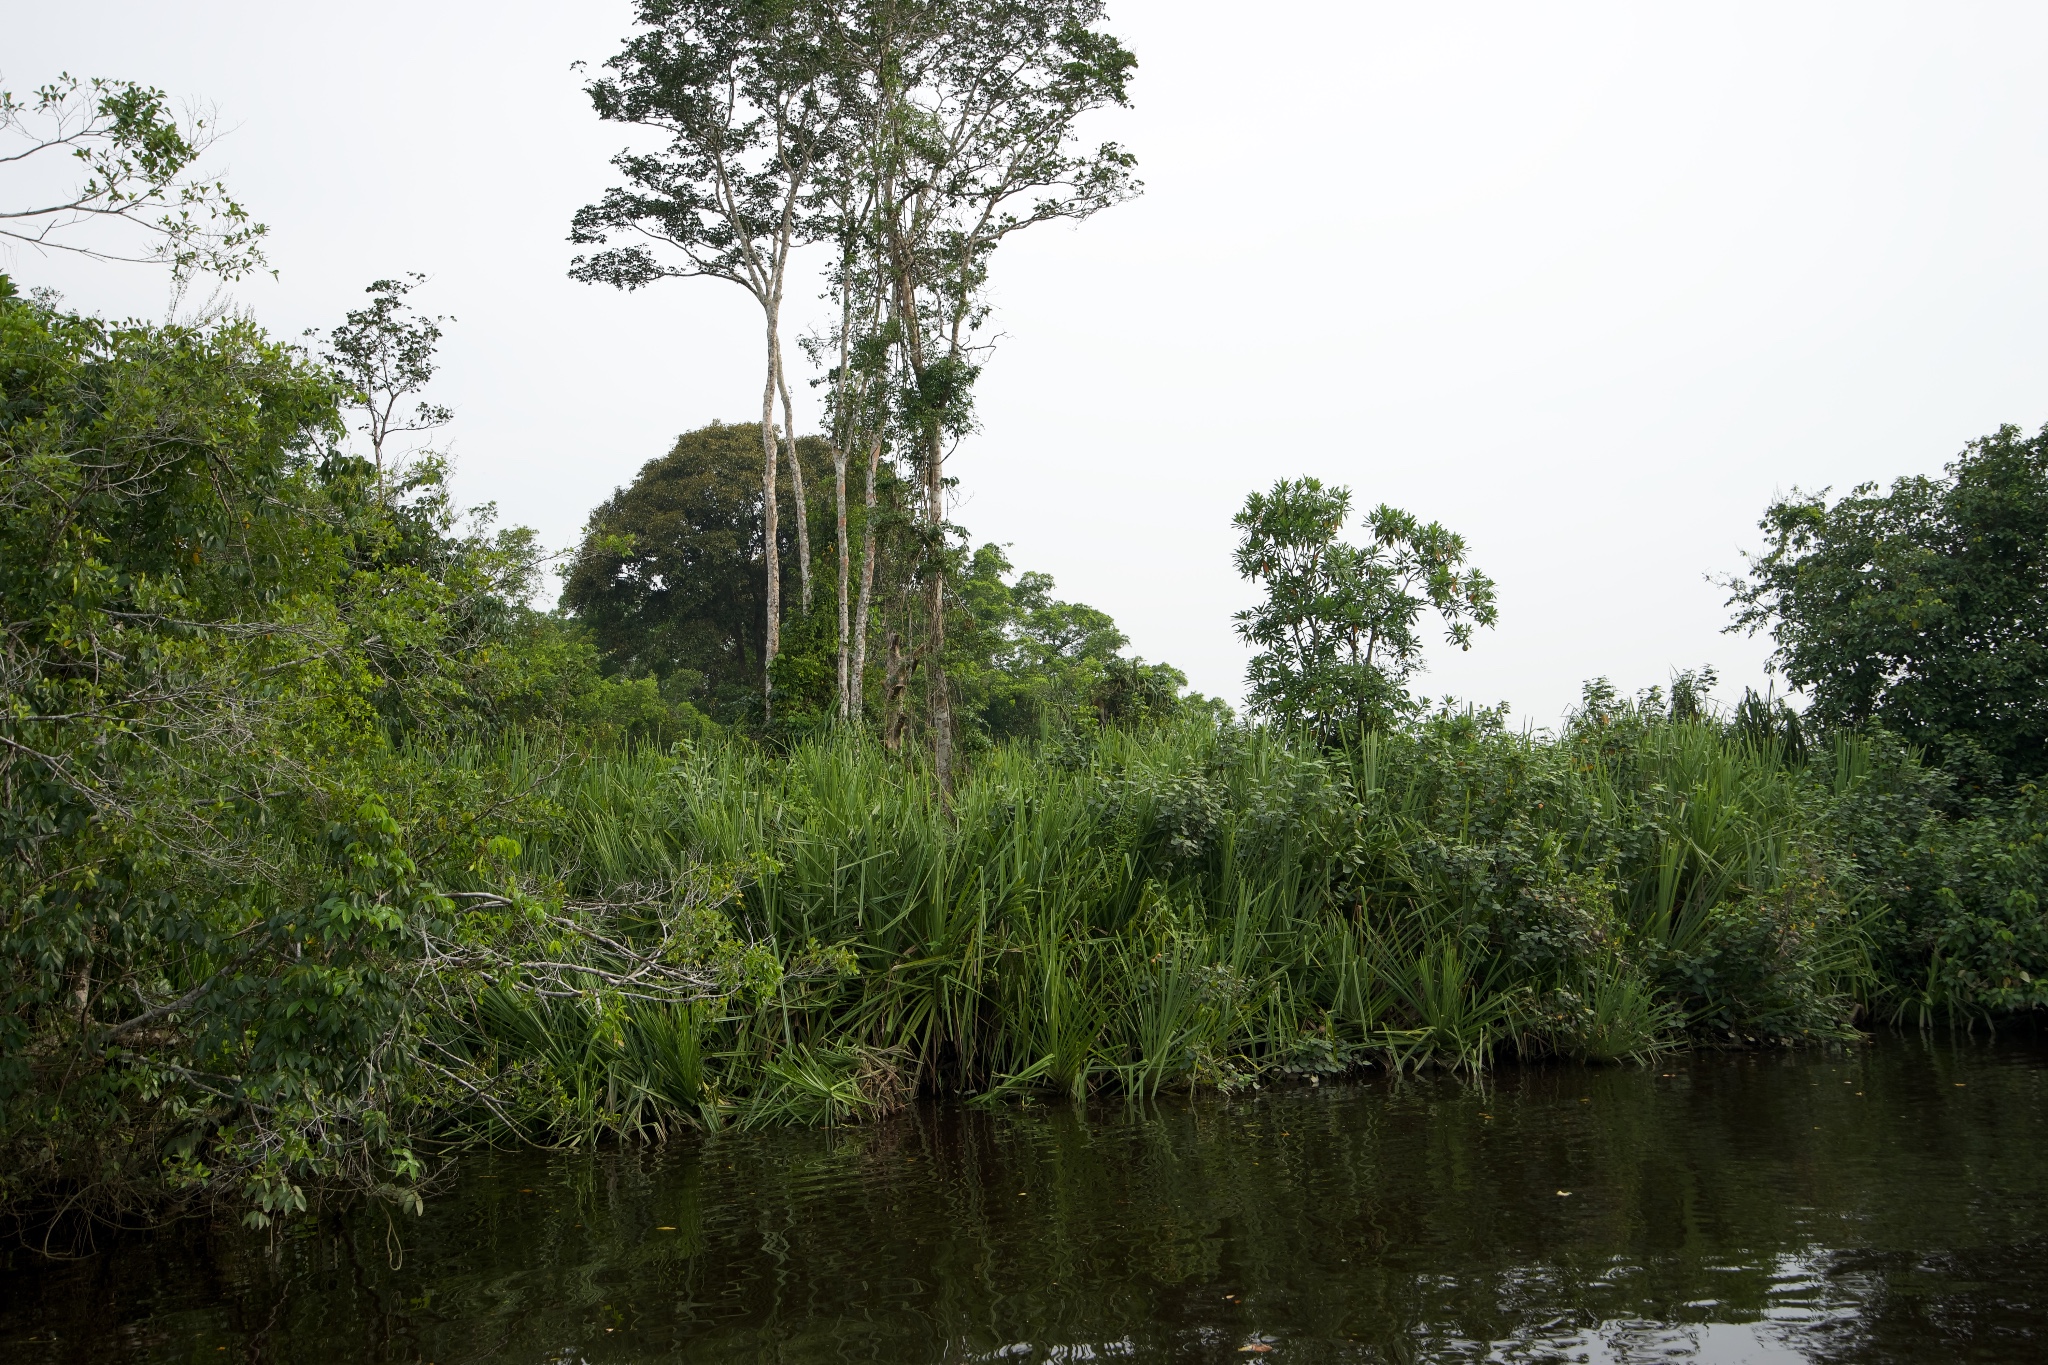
(669, 583)
(329, 855)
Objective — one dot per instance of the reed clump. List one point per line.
(1196, 904)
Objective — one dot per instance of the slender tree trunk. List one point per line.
(897, 261)
(845, 572)
(771, 636)
(935, 627)
(796, 484)
(859, 666)
(895, 681)
(939, 703)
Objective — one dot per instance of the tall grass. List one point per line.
(1189, 905)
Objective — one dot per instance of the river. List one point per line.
(1879, 1203)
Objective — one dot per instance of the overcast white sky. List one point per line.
(1587, 283)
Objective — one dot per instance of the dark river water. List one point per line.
(1887, 1203)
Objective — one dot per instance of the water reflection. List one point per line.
(1875, 1205)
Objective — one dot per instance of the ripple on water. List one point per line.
(1729, 1209)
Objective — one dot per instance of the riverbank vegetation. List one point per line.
(327, 852)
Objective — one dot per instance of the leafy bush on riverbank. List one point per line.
(229, 654)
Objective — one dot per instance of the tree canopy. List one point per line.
(1338, 635)
(668, 582)
(140, 195)
(1026, 661)
(1923, 608)
(671, 575)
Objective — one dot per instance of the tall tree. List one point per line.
(855, 358)
(384, 353)
(971, 113)
(1337, 634)
(1924, 608)
(742, 91)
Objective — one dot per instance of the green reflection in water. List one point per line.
(1884, 1203)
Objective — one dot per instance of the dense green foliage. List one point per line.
(228, 658)
(1336, 635)
(1923, 609)
(670, 576)
(325, 854)
(669, 581)
(1201, 904)
(1025, 664)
